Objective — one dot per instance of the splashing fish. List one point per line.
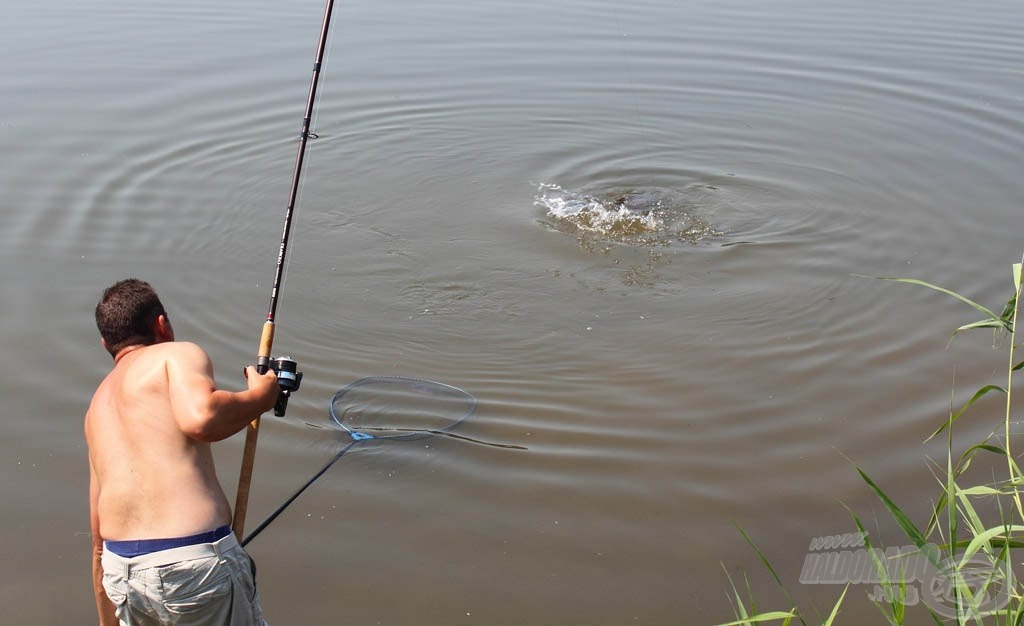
(647, 217)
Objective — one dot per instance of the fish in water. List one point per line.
(636, 216)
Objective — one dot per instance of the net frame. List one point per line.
(360, 434)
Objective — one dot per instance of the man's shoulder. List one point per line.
(180, 352)
(179, 347)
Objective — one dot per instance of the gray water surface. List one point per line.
(667, 388)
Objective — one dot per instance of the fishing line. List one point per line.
(323, 87)
(310, 158)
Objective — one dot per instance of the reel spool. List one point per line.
(288, 378)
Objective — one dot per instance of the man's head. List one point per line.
(130, 313)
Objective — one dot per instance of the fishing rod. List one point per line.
(288, 375)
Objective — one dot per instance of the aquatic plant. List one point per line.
(963, 554)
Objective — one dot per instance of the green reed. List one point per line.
(972, 536)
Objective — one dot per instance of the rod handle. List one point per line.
(252, 433)
(266, 347)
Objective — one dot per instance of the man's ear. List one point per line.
(103, 342)
(162, 329)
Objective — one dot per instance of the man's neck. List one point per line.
(125, 351)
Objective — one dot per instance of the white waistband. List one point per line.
(172, 555)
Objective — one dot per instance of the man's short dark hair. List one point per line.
(125, 314)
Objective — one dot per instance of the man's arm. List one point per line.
(104, 607)
(206, 413)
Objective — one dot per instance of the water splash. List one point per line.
(639, 217)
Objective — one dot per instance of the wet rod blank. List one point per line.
(267, 338)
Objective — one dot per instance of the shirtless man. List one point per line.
(162, 549)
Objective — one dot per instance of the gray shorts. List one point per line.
(209, 584)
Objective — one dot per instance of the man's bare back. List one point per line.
(152, 479)
(149, 428)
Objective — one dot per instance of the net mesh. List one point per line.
(391, 407)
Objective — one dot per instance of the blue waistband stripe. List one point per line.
(138, 547)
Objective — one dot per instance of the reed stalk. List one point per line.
(970, 553)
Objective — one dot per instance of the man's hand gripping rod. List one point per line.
(289, 379)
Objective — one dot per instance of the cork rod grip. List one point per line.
(266, 347)
(252, 433)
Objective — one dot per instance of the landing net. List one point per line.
(393, 407)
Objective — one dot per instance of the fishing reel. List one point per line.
(288, 378)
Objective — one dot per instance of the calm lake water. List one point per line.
(631, 230)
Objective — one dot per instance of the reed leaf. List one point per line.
(899, 603)
(989, 323)
(764, 559)
(978, 395)
(970, 514)
(952, 519)
(738, 607)
(963, 463)
(981, 490)
(760, 618)
(983, 446)
(1010, 307)
(897, 608)
(771, 570)
(835, 609)
(912, 532)
(984, 538)
(984, 310)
